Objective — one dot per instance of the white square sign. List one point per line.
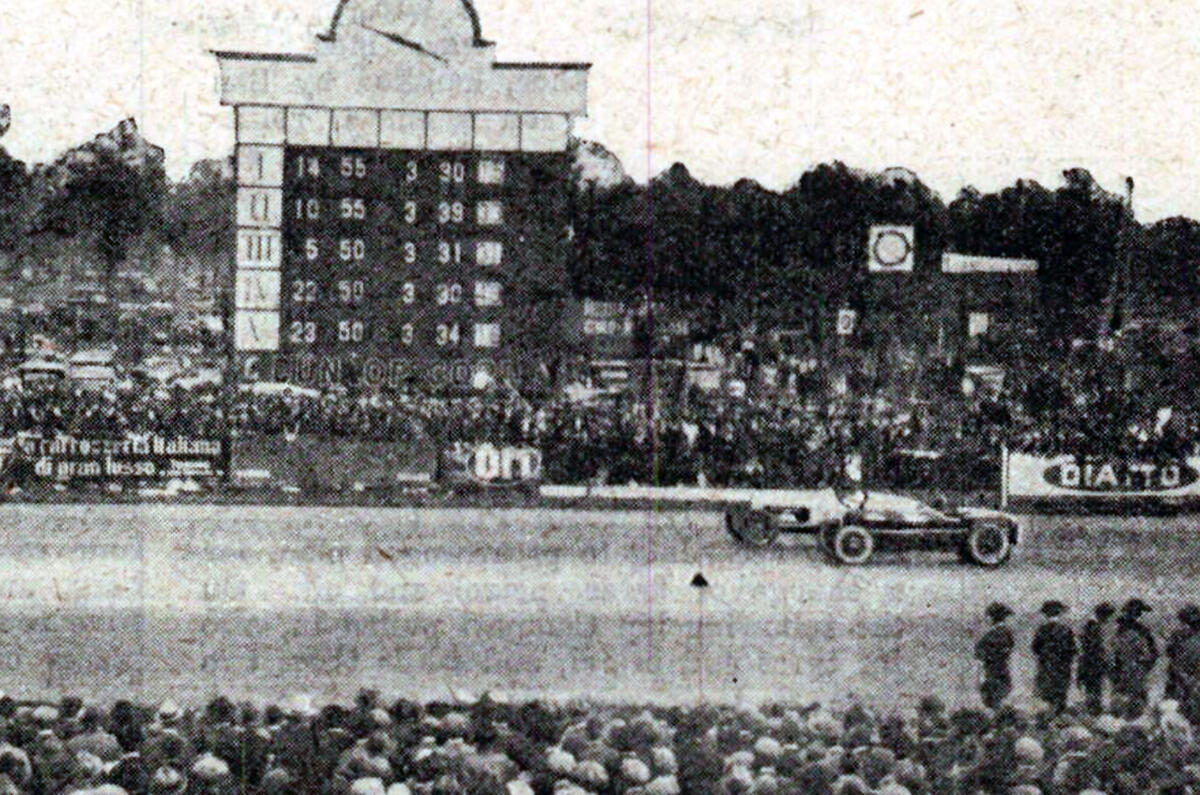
(846, 321)
(891, 249)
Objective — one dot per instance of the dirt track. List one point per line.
(259, 602)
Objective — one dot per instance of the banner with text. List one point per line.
(1100, 476)
(157, 458)
(488, 464)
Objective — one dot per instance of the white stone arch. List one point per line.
(437, 25)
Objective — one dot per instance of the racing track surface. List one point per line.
(114, 600)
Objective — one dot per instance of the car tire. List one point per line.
(987, 544)
(751, 528)
(735, 522)
(826, 539)
(761, 529)
(852, 545)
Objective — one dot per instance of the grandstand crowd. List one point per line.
(694, 437)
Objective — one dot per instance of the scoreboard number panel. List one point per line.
(328, 171)
(405, 253)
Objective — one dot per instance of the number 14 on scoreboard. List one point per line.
(489, 170)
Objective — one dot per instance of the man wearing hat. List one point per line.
(168, 781)
(1185, 660)
(1054, 650)
(211, 775)
(1094, 662)
(994, 650)
(294, 744)
(1134, 656)
(1189, 621)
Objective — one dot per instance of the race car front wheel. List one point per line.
(987, 544)
(852, 545)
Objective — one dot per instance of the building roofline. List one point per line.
(534, 65)
(299, 57)
(292, 57)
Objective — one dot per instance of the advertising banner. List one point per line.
(1099, 476)
(487, 464)
(968, 263)
(149, 458)
(318, 463)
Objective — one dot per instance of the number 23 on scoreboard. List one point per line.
(302, 332)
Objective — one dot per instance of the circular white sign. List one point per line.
(891, 248)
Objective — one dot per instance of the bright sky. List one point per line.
(961, 91)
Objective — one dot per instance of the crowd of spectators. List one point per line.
(687, 436)
(48, 410)
(491, 747)
(501, 419)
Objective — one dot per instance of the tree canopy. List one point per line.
(733, 256)
(742, 254)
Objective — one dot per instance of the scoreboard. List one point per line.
(400, 211)
(405, 260)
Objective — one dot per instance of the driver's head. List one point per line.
(855, 499)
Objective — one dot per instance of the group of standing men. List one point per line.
(1121, 658)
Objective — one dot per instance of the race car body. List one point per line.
(852, 528)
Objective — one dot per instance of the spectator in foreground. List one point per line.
(1134, 656)
(1185, 661)
(1189, 622)
(94, 739)
(1094, 661)
(1054, 650)
(994, 650)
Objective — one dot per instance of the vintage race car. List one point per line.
(851, 529)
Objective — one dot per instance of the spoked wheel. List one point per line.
(852, 545)
(987, 544)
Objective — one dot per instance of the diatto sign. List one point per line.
(1120, 476)
(1066, 475)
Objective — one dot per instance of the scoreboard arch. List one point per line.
(390, 190)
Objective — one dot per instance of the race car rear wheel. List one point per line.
(752, 528)
(735, 521)
(987, 544)
(826, 539)
(852, 545)
(761, 530)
